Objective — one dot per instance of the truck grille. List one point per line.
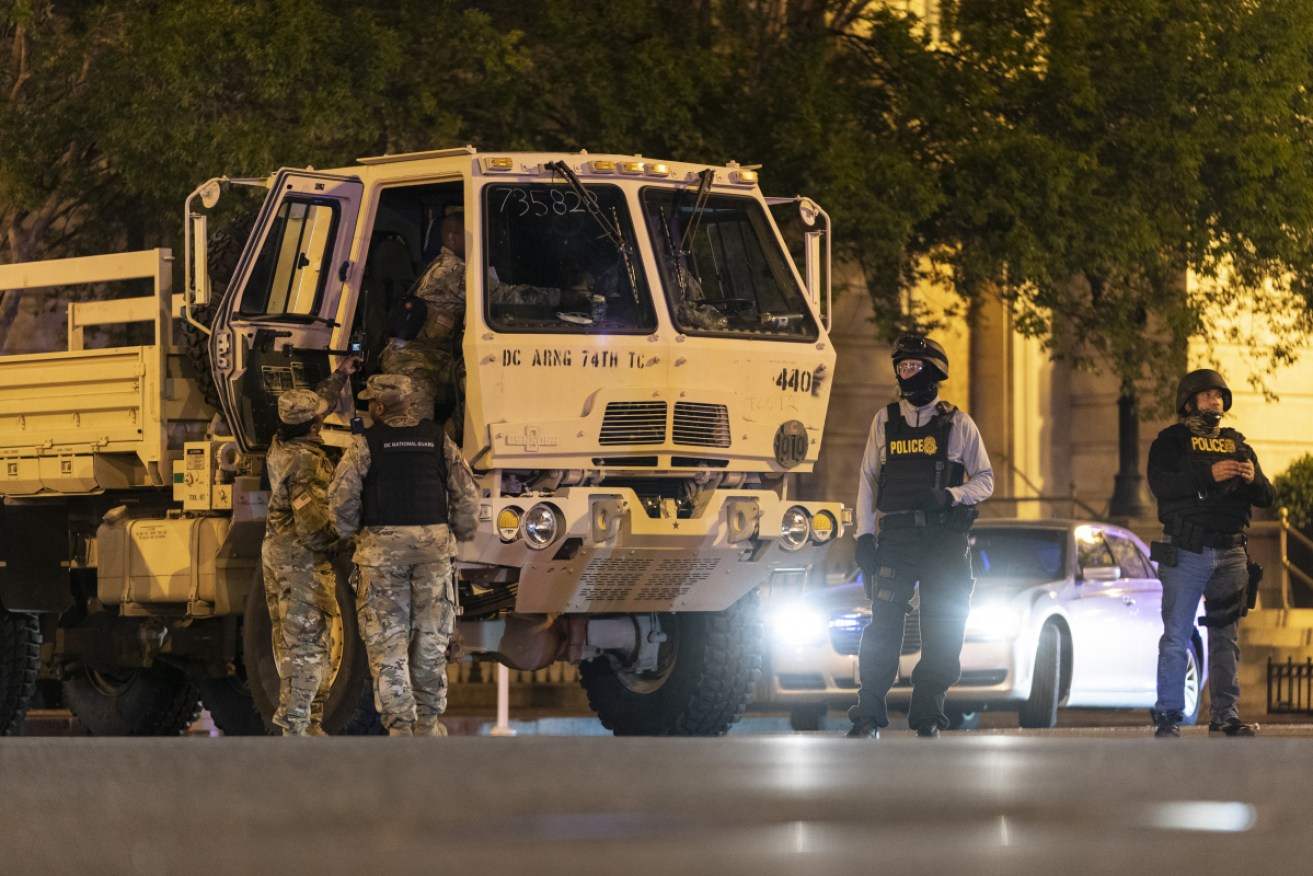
(624, 579)
(701, 424)
(634, 423)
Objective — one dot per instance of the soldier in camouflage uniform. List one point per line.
(298, 576)
(429, 353)
(405, 489)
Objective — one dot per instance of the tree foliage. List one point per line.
(1105, 148)
(1294, 488)
(1077, 157)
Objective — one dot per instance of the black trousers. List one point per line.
(938, 560)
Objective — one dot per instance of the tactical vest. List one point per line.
(916, 459)
(407, 480)
(1223, 509)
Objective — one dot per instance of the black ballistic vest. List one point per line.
(916, 459)
(1224, 508)
(407, 480)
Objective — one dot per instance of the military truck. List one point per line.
(633, 435)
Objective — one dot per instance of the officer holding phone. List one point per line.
(1207, 481)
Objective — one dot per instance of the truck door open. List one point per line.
(274, 326)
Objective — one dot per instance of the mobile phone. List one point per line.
(355, 346)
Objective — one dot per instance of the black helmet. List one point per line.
(913, 346)
(407, 318)
(1198, 381)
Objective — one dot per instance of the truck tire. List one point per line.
(707, 669)
(1041, 710)
(160, 700)
(351, 668)
(20, 647)
(231, 706)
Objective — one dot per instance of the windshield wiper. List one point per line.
(612, 228)
(297, 318)
(699, 207)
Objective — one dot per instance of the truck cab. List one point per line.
(642, 368)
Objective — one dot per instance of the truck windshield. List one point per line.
(722, 267)
(289, 273)
(550, 268)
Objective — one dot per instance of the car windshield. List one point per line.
(558, 264)
(723, 268)
(1017, 553)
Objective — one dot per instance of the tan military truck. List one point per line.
(632, 433)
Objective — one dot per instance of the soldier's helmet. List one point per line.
(914, 346)
(1196, 382)
(407, 318)
(296, 406)
(390, 389)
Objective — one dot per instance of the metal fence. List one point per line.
(1290, 687)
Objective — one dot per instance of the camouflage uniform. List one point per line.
(299, 583)
(431, 360)
(406, 595)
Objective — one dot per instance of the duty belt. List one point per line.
(909, 519)
(1220, 540)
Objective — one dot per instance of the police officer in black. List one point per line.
(924, 471)
(1206, 480)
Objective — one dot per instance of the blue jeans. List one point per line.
(1215, 574)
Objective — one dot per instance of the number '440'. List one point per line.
(794, 379)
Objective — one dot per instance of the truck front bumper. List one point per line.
(593, 549)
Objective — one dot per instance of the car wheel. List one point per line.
(807, 717)
(1194, 688)
(960, 718)
(1041, 709)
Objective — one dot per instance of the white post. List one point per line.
(503, 726)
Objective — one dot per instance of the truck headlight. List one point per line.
(542, 524)
(824, 527)
(508, 523)
(795, 528)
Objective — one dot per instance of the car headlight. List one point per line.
(541, 526)
(824, 527)
(508, 523)
(795, 528)
(993, 621)
(795, 624)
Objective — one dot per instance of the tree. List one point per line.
(113, 111)
(1095, 152)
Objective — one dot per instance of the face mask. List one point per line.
(920, 388)
(1210, 418)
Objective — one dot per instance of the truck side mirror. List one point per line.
(200, 268)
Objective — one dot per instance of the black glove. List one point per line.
(935, 499)
(866, 552)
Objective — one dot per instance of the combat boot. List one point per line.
(1232, 727)
(430, 728)
(401, 730)
(928, 731)
(864, 728)
(315, 729)
(1168, 728)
